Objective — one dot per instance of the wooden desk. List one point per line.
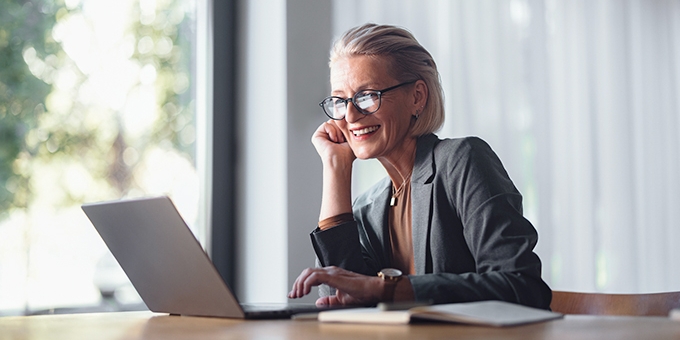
(146, 325)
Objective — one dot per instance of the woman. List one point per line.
(448, 214)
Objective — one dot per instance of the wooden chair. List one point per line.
(658, 304)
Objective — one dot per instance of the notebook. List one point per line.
(485, 313)
(167, 265)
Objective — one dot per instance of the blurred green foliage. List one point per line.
(22, 96)
(30, 134)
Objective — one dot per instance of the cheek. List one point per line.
(399, 115)
(343, 130)
(342, 125)
(399, 123)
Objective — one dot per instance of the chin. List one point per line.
(363, 158)
(363, 154)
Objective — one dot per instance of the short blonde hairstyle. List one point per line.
(408, 61)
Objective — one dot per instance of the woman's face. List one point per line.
(383, 133)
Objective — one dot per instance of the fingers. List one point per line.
(297, 290)
(328, 131)
(339, 299)
(334, 132)
(352, 288)
(309, 278)
(324, 301)
(331, 145)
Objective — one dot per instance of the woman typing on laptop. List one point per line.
(446, 225)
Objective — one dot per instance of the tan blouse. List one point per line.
(401, 239)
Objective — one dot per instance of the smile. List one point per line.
(361, 132)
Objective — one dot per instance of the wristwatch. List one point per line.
(390, 276)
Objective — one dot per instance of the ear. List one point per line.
(420, 93)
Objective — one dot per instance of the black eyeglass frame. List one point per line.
(353, 100)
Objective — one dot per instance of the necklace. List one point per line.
(397, 191)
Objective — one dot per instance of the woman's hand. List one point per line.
(352, 288)
(331, 144)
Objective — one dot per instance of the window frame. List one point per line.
(223, 182)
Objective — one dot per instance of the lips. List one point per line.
(366, 130)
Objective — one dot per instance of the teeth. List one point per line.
(365, 130)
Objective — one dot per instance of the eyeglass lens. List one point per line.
(366, 102)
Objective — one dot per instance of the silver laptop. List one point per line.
(167, 265)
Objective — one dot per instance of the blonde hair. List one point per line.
(407, 61)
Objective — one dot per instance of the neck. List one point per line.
(399, 164)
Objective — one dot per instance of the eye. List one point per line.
(367, 100)
(338, 103)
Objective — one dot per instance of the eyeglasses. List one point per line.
(365, 101)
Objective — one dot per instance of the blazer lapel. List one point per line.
(380, 218)
(421, 199)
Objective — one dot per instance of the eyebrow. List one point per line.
(361, 88)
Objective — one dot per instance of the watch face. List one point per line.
(391, 272)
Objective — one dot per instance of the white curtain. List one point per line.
(581, 100)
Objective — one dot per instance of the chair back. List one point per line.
(656, 304)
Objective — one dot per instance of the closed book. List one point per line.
(489, 313)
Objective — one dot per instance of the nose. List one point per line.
(352, 115)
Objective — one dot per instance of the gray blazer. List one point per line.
(470, 240)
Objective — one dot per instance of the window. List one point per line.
(97, 102)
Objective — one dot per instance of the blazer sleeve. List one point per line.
(341, 246)
(506, 267)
